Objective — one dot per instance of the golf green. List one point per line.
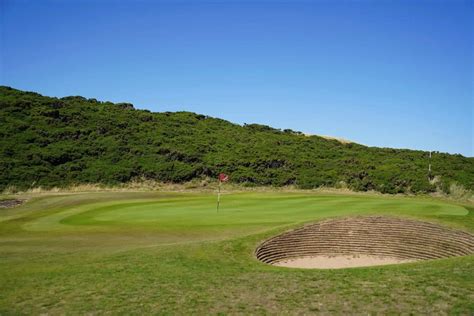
(174, 253)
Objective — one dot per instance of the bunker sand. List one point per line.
(339, 262)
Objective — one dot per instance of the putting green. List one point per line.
(148, 252)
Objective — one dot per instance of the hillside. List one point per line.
(62, 141)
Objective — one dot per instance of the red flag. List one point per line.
(223, 177)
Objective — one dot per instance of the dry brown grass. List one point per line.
(456, 192)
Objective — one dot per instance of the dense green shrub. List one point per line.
(56, 142)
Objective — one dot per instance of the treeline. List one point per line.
(73, 140)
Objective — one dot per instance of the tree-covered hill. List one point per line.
(62, 141)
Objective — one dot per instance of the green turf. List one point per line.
(172, 253)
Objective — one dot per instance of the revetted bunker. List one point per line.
(379, 237)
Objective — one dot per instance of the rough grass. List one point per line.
(172, 253)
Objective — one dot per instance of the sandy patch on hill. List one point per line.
(338, 262)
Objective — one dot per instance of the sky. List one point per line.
(380, 73)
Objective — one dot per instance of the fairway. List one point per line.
(152, 252)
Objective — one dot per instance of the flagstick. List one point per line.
(218, 196)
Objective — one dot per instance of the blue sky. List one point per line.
(381, 73)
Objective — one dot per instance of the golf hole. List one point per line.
(363, 241)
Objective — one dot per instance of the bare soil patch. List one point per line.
(10, 203)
